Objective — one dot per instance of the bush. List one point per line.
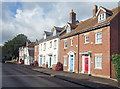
(35, 63)
(116, 63)
(22, 61)
(59, 66)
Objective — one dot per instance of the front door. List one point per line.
(86, 64)
(50, 61)
(71, 62)
(40, 61)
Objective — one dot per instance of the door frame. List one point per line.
(40, 61)
(50, 61)
(83, 63)
(72, 52)
(70, 62)
(86, 58)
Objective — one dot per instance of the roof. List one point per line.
(31, 52)
(52, 37)
(72, 25)
(48, 33)
(31, 44)
(59, 29)
(107, 10)
(91, 23)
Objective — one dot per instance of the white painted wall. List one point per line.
(21, 54)
(28, 59)
(49, 51)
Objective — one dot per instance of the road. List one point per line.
(14, 75)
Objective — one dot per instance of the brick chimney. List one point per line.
(95, 10)
(36, 41)
(72, 15)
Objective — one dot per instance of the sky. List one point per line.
(33, 18)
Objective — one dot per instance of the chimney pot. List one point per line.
(72, 15)
(95, 10)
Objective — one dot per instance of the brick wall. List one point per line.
(63, 52)
(103, 48)
(36, 53)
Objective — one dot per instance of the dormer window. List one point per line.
(54, 32)
(101, 17)
(44, 36)
(68, 30)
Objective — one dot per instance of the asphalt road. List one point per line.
(17, 76)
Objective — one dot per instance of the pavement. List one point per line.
(81, 79)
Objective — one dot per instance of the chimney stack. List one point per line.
(95, 10)
(72, 15)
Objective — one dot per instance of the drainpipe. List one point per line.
(78, 53)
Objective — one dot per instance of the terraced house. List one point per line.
(89, 46)
(36, 50)
(29, 53)
(49, 48)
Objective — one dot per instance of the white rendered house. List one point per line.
(49, 48)
(28, 55)
(21, 53)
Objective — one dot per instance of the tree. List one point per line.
(11, 47)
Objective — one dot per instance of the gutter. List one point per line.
(87, 30)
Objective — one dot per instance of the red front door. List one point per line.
(86, 64)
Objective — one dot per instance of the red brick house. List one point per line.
(36, 50)
(69, 45)
(94, 40)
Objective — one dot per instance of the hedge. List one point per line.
(116, 63)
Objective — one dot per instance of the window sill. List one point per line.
(65, 65)
(97, 43)
(86, 43)
(65, 48)
(98, 68)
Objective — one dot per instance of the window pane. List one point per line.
(86, 39)
(65, 61)
(98, 62)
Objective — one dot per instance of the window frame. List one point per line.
(65, 58)
(55, 44)
(97, 38)
(71, 41)
(55, 59)
(98, 62)
(86, 39)
(44, 46)
(50, 44)
(65, 44)
(101, 17)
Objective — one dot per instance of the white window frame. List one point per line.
(86, 39)
(65, 61)
(35, 49)
(71, 42)
(44, 46)
(35, 58)
(55, 43)
(68, 30)
(50, 44)
(65, 46)
(41, 47)
(98, 62)
(54, 59)
(98, 38)
(101, 17)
